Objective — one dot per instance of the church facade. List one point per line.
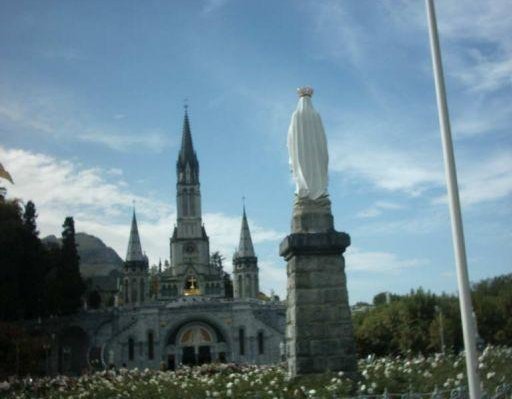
(190, 313)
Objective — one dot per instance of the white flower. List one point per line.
(4, 386)
(312, 392)
(490, 374)
(460, 376)
(229, 385)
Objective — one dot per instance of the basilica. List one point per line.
(189, 313)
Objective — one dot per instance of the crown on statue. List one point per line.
(305, 91)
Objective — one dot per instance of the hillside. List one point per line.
(96, 258)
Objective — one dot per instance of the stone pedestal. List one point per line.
(319, 333)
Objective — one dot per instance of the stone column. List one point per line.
(319, 333)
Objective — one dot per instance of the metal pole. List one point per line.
(468, 328)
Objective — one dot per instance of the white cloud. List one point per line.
(55, 113)
(483, 180)
(392, 169)
(379, 262)
(273, 277)
(418, 170)
(97, 199)
(154, 141)
(377, 208)
(101, 205)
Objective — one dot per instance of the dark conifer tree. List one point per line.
(11, 258)
(31, 272)
(70, 280)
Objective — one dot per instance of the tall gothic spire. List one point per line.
(187, 155)
(245, 247)
(134, 252)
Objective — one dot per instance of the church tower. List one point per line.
(190, 272)
(135, 281)
(245, 265)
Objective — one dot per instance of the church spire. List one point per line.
(134, 252)
(187, 159)
(245, 247)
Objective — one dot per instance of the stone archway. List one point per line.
(72, 351)
(194, 343)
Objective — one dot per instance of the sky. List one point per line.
(91, 112)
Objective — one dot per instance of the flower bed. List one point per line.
(395, 375)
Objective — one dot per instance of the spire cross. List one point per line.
(185, 104)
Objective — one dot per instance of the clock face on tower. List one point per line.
(190, 247)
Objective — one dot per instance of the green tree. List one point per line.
(11, 260)
(70, 283)
(31, 272)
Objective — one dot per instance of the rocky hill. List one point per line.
(96, 258)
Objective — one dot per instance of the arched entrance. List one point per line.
(72, 354)
(195, 343)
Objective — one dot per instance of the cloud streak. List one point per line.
(57, 114)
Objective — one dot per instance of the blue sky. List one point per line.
(91, 109)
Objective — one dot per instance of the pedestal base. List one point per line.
(319, 333)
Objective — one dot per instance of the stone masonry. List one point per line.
(319, 333)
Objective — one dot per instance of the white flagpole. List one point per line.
(466, 309)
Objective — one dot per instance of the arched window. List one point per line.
(240, 287)
(248, 290)
(151, 345)
(261, 343)
(134, 291)
(126, 291)
(141, 290)
(131, 349)
(241, 340)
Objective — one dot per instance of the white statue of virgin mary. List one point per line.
(307, 147)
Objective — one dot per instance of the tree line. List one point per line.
(36, 279)
(423, 322)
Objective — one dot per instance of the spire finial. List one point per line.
(185, 104)
(134, 252)
(245, 247)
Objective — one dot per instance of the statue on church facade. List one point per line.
(307, 148)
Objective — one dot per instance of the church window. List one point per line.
(261, 343)
(126, 291)
(142, 290)
(151, 345)
(184, 202)
(241, 340)
(134, 291)
(131, 349)
(248, 287)
(191, 204)
(240, 287)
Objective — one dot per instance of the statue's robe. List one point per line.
(307, 147)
